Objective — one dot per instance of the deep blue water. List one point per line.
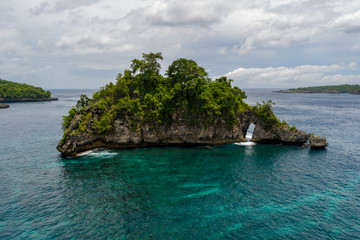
(224, 192)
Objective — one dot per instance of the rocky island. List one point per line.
(345, 88)
(21, 92)
(183, 108)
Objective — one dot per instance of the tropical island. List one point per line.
(21, 92)
(345, 88)
(183, 108)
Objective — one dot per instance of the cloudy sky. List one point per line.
(258, 43)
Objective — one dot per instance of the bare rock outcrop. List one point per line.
(318, 142)
(277, 134)
(4, 105)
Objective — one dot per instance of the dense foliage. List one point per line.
(142, 95)
(265, 114)
(345, 88)
(11, 90)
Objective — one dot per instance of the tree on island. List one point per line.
(142, 95)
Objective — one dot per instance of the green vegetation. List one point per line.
(345, 88)
(142, 95)
(10, 90)
(265, 114)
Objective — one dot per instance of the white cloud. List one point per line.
(304, 75)
(88, 43)
(11, 44)
(251, 25)
(348, 23)
(356, 47)
(281, 24)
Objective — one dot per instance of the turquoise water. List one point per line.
(224, 192)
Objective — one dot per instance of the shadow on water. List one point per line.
(318, 153)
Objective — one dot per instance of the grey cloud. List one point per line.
(60, 5)
(43, 7)
(7, 15)
(353, 29)
(95, 35)
(182, 13)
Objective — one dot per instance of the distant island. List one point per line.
(345, 88)
(21, 92)
(183, 108)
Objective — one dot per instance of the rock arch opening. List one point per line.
(249, 132)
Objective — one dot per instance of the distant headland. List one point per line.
(21, 92)
(345, 88)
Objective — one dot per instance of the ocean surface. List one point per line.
(225, 192)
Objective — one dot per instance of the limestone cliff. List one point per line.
(178, 133)
(279, 135)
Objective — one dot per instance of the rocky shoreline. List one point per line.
(180, 133)
(27, 99)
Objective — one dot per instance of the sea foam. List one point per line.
(245, 143)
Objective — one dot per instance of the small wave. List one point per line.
(85, 153)
(103, 154)
(208, 147)
(245, 143)
(203, 193)
(97, 153)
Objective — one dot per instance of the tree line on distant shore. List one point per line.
(344, 88)
(12, 90)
